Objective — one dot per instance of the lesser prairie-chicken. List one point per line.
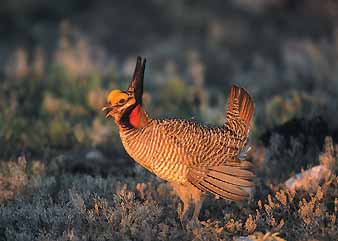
(194, 158)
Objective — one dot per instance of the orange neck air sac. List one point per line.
(135, 116)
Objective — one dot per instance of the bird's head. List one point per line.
(124, 104)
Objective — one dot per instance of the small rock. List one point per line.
(309, 178)
(243, 238)
(94, 155)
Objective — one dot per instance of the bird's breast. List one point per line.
(153, 151)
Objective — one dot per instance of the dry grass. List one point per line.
(13, 178)
(144, 208)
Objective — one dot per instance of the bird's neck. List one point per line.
(134, 118)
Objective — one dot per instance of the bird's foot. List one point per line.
(195, 227)
(183, 215)
(194, 223)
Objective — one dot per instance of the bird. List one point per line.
(194, 158)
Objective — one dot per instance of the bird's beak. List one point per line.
(110, 108)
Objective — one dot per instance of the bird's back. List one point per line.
(205, 145)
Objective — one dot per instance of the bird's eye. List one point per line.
(122, 101)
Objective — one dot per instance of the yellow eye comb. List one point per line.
(115, 96)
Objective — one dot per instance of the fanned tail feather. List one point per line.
(240, 110)
(231, 181)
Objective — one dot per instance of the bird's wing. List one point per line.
(205, 146)
(197, 143)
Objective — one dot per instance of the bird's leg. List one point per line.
(185, 197)
(198, 198)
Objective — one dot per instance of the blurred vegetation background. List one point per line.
(60, 58)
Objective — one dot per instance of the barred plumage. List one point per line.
(180, 141)
(194, 158)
